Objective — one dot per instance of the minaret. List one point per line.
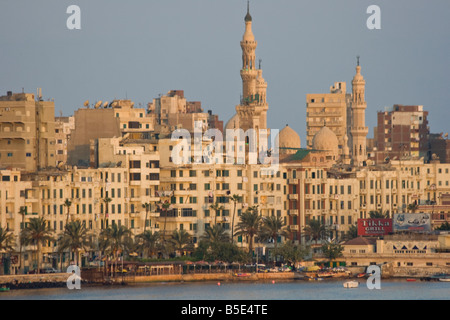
(358, 128)
(253, 108)
(248, 71)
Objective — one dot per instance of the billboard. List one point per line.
(374, 227)
(420, 222)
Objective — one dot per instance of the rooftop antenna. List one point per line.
(357, 60)
(260, 60)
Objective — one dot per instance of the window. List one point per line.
(28, 154)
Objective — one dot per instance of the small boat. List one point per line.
(361, 275)
(446, 279)
(410, 280)
(351, 284)
(4, 289)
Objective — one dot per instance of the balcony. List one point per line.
(293, 227)
(292, 181)
(293, 196)
(293, 212)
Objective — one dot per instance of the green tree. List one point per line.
(216, 207)
(106, 200)
(444, 226)
(273, 227)
(164, 211)
(412, 207)
(236, 199)
(332, 251)
(352, 233)
(6, 241)
(316, 230)
(148, 242)
(215, 234)
(292, 253)
(181, 241)
(115, 240)
(37, 232)
(22, 212)
(249, 225)
(147, 207)
(74, 238)
(67, 204)
(378, 214)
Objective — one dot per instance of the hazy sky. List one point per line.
(140, 49)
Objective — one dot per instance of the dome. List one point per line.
(233, 123)
(326, 140)
(288, 138)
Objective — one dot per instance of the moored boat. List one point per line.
(351, 284)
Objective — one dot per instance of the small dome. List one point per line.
(326, 140)
(288, 138)
(233, 123)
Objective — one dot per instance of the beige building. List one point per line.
(27, 132)
(330, 110)
(344, 115)
(64, 126)
(172, 111)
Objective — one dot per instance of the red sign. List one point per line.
(374, 227)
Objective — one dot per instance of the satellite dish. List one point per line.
(446, 135)
(98, 104)
(86, 103)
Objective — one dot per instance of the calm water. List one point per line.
(287, 290)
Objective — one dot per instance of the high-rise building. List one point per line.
(328, 109)
(27, 132)
(402, 132)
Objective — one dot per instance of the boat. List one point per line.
(4, 289)
(242, 274)
(361, 275)
(351, 284)
(445, 279)
(410, 280)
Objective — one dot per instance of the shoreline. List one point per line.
(25, 282)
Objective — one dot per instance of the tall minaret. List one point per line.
(253, 108)
(358, 128)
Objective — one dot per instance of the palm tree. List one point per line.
(249, 225)
(67, 204)
(22, 212)
(215, 234)
(37, 232)
(106, 200)
(235, 198)
(316, 230)
(216, 207)
(413, 207)
(351, 233)
(6, 241)
(378, 214)
(75, 238)
(148, 242)
(271, 228)
(147, 207)
(181, 240)
(164, 207)
(115, 239)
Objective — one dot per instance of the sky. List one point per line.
(138, 49)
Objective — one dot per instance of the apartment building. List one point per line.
(27, 132)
